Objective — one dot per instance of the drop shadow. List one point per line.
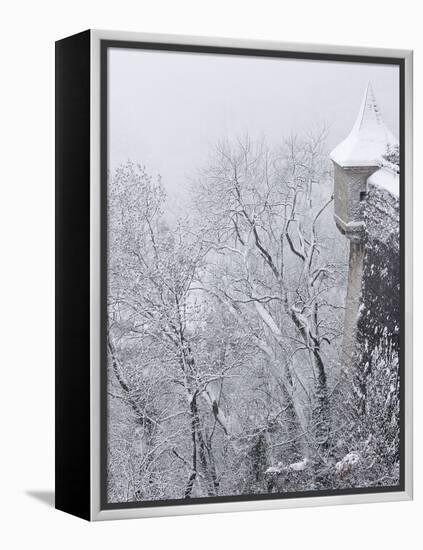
(46, 497)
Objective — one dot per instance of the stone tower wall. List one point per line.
(376, 358)
(372, 314)
(350, 184)
(373, 275)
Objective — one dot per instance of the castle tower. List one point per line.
(355, 159)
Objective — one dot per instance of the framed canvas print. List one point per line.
(233, 275)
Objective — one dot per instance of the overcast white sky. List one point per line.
(167, 109)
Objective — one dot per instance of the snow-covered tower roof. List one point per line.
(369, 138)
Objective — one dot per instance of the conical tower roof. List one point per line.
(368, 139)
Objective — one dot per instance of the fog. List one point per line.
(168, 109)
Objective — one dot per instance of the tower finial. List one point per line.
(369, 138)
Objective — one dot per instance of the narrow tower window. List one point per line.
(363, 195)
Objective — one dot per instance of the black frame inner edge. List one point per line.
(251, 52)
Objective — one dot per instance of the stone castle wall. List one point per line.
(372, 318)
(372, 303)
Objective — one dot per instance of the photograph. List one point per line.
(253, 276)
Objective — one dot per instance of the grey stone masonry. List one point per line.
(350, 192)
